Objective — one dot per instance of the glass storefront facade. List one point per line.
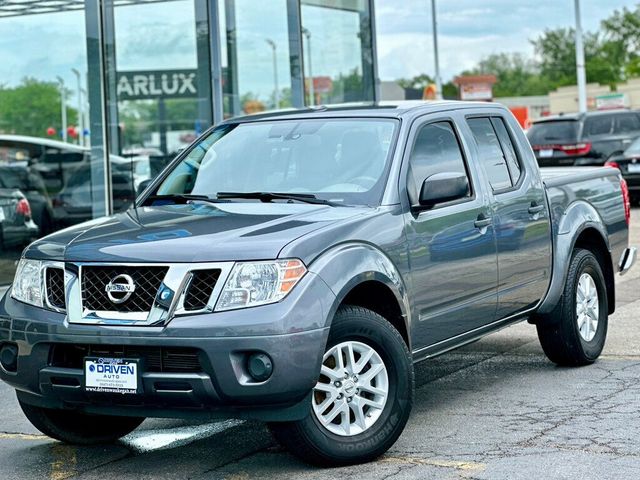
(96, 96)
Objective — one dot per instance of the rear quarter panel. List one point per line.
(581, 198)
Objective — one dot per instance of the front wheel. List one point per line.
(363, 396)
(576, 331)
(77, 428)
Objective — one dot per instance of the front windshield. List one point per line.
(339, 160)
(633, 149)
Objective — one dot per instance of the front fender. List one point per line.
(579, 217)
(347, 265)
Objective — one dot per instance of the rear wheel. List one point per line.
(77, 428)
(576, 331)
(363, 397)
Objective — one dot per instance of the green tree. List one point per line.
(418, 82)
(622, 30)
(32, 107)
(516, 75)
(556, 51)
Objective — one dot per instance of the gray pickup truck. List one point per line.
(293, 267)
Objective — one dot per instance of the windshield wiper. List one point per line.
(181, 198)
(270, 196)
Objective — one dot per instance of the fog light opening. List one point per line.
(259, 366)
(9, 357)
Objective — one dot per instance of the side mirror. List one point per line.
(443, 187)
(143, 185)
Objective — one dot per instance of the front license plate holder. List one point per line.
(634, 168)
(112, 376)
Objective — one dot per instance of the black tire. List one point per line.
(559, 334)
(76, 428)
(315, 444)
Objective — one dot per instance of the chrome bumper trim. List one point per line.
(627, 259)
(176, 280)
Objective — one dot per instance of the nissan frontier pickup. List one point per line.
(293, 267)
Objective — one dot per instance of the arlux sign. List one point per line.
(141, 85)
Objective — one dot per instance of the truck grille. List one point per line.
(55, 287)
(147, 281)
(155, 359)
(200, 288)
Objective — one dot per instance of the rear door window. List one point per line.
(511, 155)
(553, 132)
(491, 155)
(598, 125)
(627, 123)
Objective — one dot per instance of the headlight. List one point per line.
(257, 283)
(27, 284)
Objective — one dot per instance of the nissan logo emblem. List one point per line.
(120, 288)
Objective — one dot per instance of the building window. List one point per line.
(255, 56)
(337, 51)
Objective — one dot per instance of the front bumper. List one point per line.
(292, 332)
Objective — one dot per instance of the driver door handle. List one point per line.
(482, 221)
(535, 208)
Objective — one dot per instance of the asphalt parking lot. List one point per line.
(496, 409)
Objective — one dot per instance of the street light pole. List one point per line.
(80, 108)
(580, 70)
(272, 44)
(435, 50)
(63, 108)
(312, 92)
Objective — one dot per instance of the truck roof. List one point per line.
(386, 109)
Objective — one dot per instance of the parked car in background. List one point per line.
(52, 159)
(74, 203)
(20, 176)
(17, 228)
(629, 165)
(583, 139)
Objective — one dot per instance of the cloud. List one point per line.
(470, 29)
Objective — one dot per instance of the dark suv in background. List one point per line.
(583, 139)
(628, 162)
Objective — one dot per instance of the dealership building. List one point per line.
(90, 88)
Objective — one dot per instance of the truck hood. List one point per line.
(190, 233)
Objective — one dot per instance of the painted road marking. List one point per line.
(475, 466)
(144, 441)
(65, 461)
(22, 436)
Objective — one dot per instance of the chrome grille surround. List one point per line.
(176, 280)
(199, 289)
(54, 287)
(46, 286)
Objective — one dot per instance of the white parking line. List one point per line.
(163, 438)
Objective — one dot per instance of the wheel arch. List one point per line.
(360, 274)
(580, 227)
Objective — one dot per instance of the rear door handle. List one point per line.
(482, 222)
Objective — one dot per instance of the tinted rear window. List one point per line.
(598, 125)
(556, 131)
(627, 123)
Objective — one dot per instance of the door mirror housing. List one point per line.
(443, 187)
(143, 185)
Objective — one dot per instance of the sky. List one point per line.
(162, 36)
(471, 29)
